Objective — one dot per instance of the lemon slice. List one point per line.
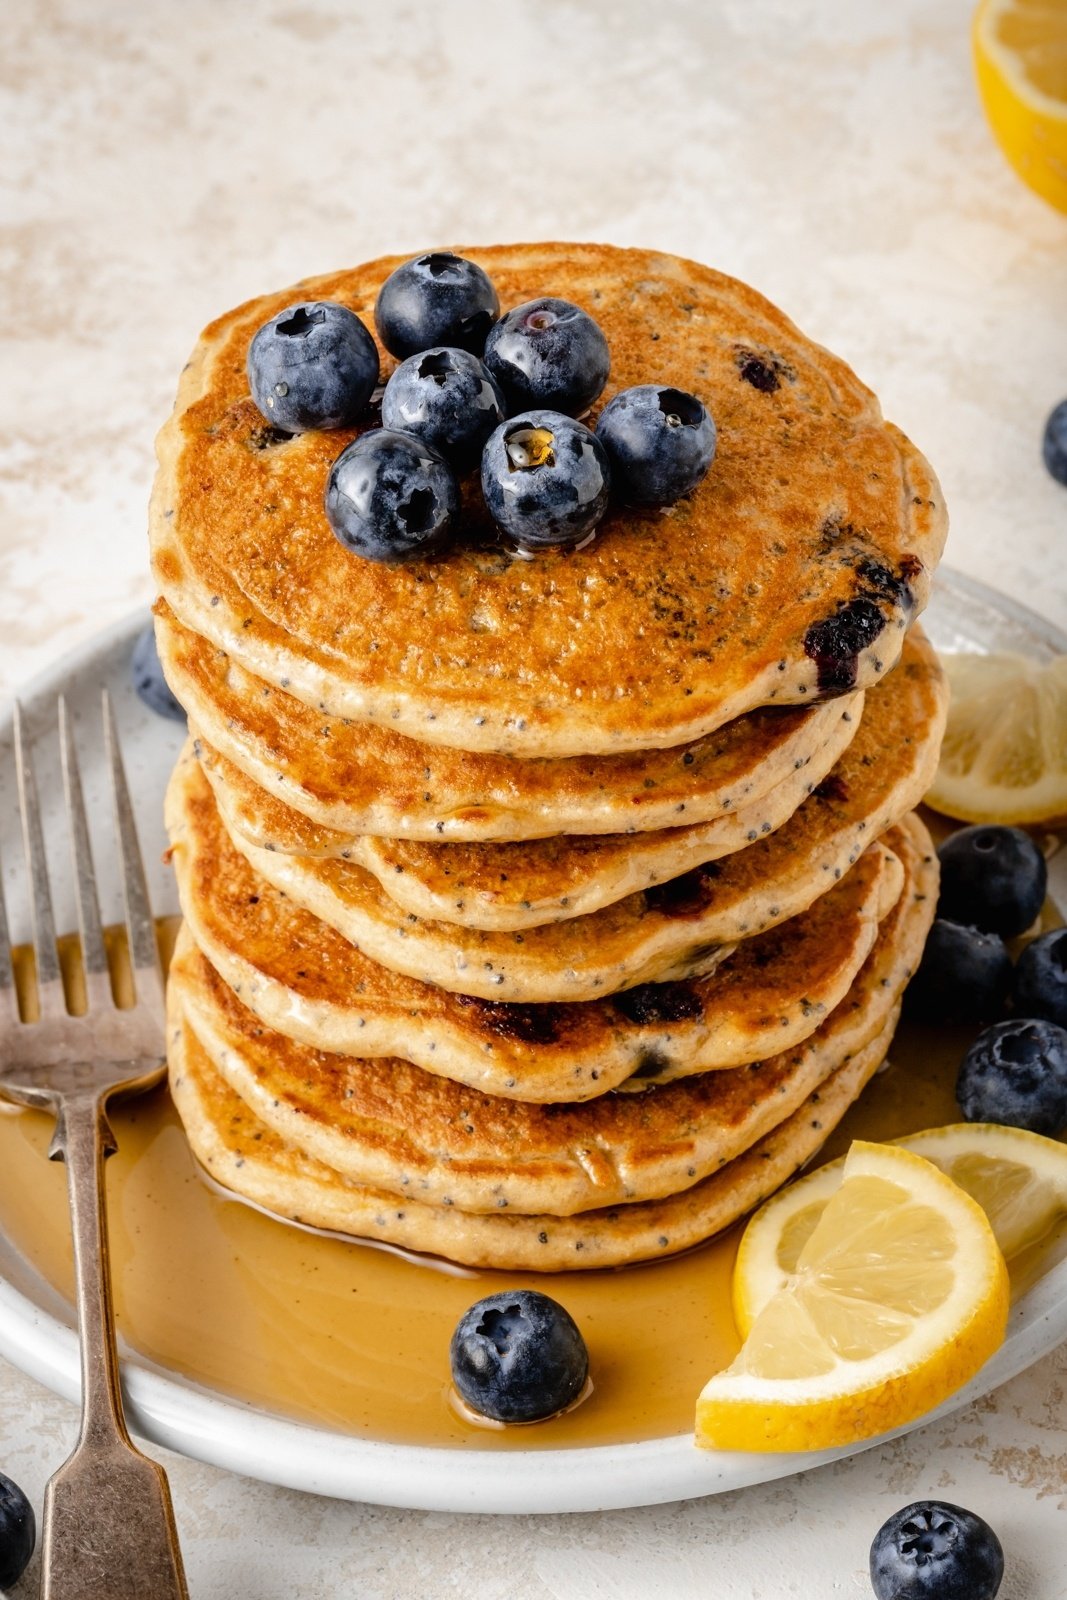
(899, 1294)
(1020, 54)
(1018, 1178)
(1004, 755)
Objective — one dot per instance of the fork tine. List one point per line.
(9, 1000)
(49, 977)
(94, 953)
(140, 926)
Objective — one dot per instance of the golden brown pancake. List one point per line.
(679, 929)
(388, 1124)
(790, 573)
(249, 1159)
(361, 779)
(302, 979)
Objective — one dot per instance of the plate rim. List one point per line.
(204, 1425)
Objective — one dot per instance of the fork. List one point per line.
(109, 1530)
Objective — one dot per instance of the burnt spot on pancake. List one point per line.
(268, 437)
(685, 896)
(832, 787)
(654, 1003)
(836, 643)
(763, 369)
(530, 1024)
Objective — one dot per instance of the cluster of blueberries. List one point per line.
(993, 883)
(472, 386)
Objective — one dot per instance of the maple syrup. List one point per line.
(354, 1337)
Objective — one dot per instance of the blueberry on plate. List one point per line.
(1016, 1073)
(660, 443)
(436, 299)
(148, 680)
(314, 365)
(18, 1533)
(933, 1551)
(448, 398)
(548, 353)
(1054, 444)
(545, 479)
(992, 878)
(964, 976)
(1041, 978)
(390, 497)
(518, 1357)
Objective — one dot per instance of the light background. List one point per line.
(161, 162)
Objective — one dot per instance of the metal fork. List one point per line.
(109, 1531)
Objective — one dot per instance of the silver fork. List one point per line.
(109, 1531)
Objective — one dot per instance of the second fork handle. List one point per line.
(109, 1530)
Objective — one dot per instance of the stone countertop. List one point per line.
(163, 162)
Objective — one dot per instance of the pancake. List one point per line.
(522, 885)
(361, 779)
(680, 929)
(790, 573)
(302, 979)
(251, 1161)
(389, 1124)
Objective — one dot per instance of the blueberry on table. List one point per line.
(1054, 444)
(545, 479)
(518, 1357)
(314, 365)
(448, 398)
(18, 1533)
(148, 680)
(660, 443)
(1041, 978)
(964, 976)
(548, 353)
(1016, 1073)
(391, 497)
(934, 1551)
(436, 299)
(993, 878)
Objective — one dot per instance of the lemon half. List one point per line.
(899, 1295)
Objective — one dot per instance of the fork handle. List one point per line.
(109, 1530)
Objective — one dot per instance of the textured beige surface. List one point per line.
(832, 153)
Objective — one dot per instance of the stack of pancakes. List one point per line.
(548, 913)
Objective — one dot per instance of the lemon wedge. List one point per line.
(898, 1296)
(1018, 1178)
(1020, 54)
(1004, 755)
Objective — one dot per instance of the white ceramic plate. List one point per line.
(36, 1332)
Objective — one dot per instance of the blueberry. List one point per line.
(18, 1533)
(448, 398)
(314, 365)
(992, 878)
(548, 353)
(1016, 1073)
(437, 299)
(545, 479)
(933, 1551)
(148, 679)
(518, 1357)
(1041, 978)
(1054, 444)
(964, 976)
(391, 497)
(660, 443)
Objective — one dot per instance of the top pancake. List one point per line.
(790, 573)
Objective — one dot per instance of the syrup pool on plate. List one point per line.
(355, 1337)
